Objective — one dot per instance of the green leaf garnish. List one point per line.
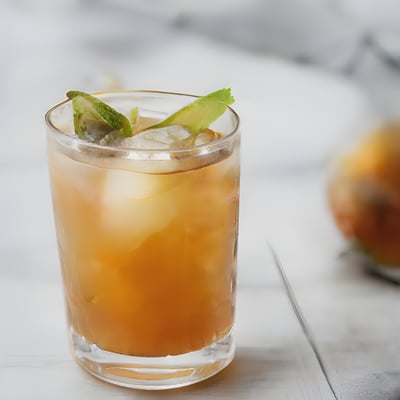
(199, 114)
(133, 114)
(94, 120)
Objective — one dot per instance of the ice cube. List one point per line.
(129, 185)
(161, 138)
(197, 139)
(136, 205)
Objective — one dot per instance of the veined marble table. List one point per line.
(311, 324)
(308, 326)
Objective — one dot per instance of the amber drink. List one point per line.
(147, 237)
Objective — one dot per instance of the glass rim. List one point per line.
(73, 138)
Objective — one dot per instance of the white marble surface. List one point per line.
(293, 119)
(273, 357)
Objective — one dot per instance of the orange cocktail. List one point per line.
(147, 242)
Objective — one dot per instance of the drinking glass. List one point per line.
(147, 244)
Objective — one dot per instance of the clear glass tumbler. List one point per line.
(147, 243)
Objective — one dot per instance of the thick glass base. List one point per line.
(153, 373)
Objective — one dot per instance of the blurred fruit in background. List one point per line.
(364, 196)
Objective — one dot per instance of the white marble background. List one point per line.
(48, 47)
(307, 75)
(293, 116)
